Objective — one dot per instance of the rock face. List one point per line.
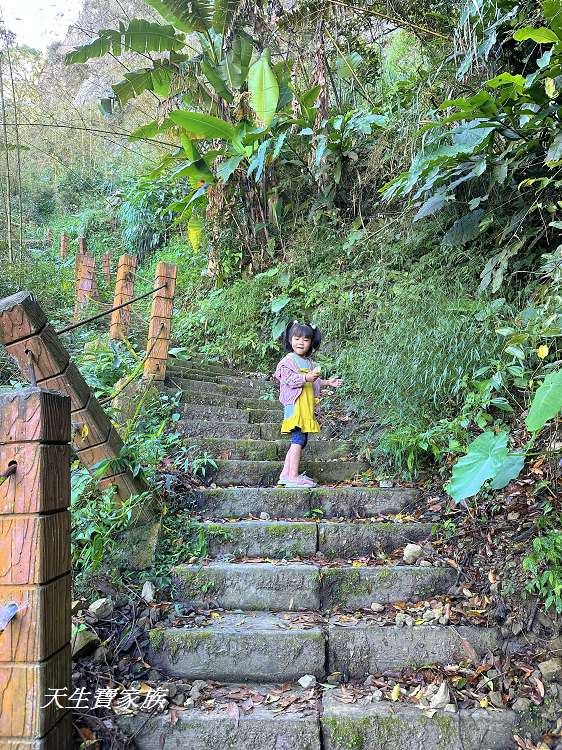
(551, 669)
(101, 608)
(277, 598)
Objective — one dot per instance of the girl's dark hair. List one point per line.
(302, 329)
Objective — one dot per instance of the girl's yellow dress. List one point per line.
(301, 413)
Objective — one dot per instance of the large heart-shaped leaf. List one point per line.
(509, 469)
(547, 402)
(199, 125)
(263, 88)
(484, 457)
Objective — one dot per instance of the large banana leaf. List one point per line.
(263, 88)
(139, 36)
(223, 14)
(155, 79)
(213, 74)
(236, 62)
(186, 15)
(199, 125)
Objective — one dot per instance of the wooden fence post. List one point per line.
(86, 283)
(160, 326)
(35, 565)
(82, 246)
(106, 267)
(64, 245)
(49, 238)
(124, 292)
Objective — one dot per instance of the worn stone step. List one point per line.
(205, 377)
(253, 389)
(232, 402)
(289, 587)
(288, 539)
(195, 729)
(398, 726)
(330, 502)
(357, 588)
(255, 586)
(225, 429)
(243, 647)
(239, 449)
(275, 539)
(266, 473)
(365, 649)
(360, 539)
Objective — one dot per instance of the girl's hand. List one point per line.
(334, 382)
(310, 377)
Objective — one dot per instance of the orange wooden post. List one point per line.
(160, 326)
(64, 245)
(82, 246)
(28, 336)
(86, 284)
(106, 267)
(124, 292)
(35, 570)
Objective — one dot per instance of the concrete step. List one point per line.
(365, 649)
(342, 726)
(331, 502)
(289, 539)
(253, 389)
(243, 647)
(232, 402)
(255, 586)
(227, 429)
(398, 726)
(239, 449)
(274, 539)
(195, 729)
(206, 377)
(266, 473)
(282, 587)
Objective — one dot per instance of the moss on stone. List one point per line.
(282, 530)
(347, 734)
(174, 642)
(345, 585)
(156, 638)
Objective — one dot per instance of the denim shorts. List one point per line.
(298, 437)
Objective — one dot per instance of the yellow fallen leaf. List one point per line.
(358, 564)
(216, 616)
(395, 692)
(542, 351)
(484, 703)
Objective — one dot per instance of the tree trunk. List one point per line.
(7, 164)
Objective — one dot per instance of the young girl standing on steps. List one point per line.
(299, 388)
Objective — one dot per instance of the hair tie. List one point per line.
(313, 327)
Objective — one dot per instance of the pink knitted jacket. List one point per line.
(291, 381)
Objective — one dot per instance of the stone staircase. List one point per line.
(279, 574)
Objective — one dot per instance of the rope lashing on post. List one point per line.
(31, 365)
(10, 471)
(7, 613)
(107, 312)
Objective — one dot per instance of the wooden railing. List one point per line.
(36, 427)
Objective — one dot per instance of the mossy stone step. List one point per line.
(330, 502)
(243, 647)
(232, 402)
(357, 588)
(255, 586)
(218, 414)
(360, 539)
(294, 586)
(239, 449)
(289, 539)
(219, 430)
(365, 649)
(253, 389)
(275, 539)
(195, 729)
(203, 377)
(378, 726)
(266, 473)
(398, 726)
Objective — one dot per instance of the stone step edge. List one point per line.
(394, 726)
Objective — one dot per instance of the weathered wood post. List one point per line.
(160, 326)
(49, 237)
(106, 267)
(124, 292)
(35, 564)
(82, 246)
(64, 245)
(33, 343)
(86, 283)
